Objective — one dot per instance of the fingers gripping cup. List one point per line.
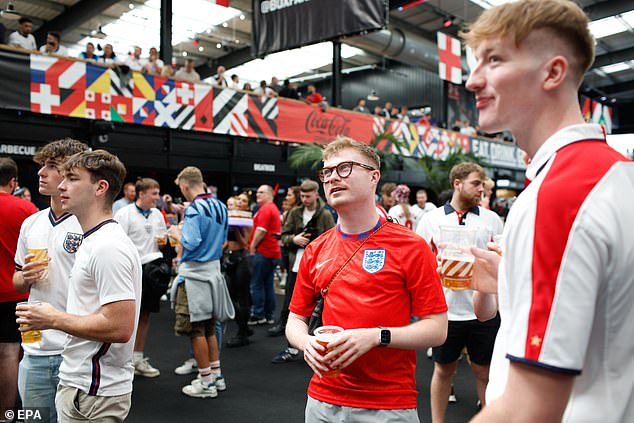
(30, 336)
(456, 260)
(325, 335)
(40, 254)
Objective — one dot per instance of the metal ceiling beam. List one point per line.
(608, 8)
(231, 60)
(617, 88)
(73, 17)
(614, 57)
(57, 7)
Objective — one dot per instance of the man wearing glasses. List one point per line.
(384, 275)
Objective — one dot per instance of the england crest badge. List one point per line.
(373, 260)
(72, 242)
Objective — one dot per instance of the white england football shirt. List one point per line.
(397, 212)
(566, 284)
(142, 230)
(62, 236)
(487, 224)
(107, 269)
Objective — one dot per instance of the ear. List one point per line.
(375, 176)
(102, 188)
(456, 183)
(556, 72)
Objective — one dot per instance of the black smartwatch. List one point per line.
(385, 338)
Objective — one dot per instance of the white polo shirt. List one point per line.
(566, 280)
(107, 269)
(62, 236)
(28, 42)
(487, 224)
(142, 227)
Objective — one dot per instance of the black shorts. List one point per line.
(8, 327)
(478, 337)
(150, 301)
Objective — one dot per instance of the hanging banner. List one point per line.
(286, 24)
(14, 80)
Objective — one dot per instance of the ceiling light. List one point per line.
(201, 48)
(131, 6)
(98, 33)
(225, 24)
(448, 21)
(218, 45)
(9, 13)
(242, 17)
(237, 41)
(184, 54)
(373, 96)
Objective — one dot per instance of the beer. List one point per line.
(31, 336)
(161, 240)
(40, 254)
(456, 271)
(173, 241)
(324, 336)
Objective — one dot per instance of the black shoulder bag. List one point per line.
(315, 318)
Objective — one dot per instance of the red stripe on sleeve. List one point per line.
(576, 170)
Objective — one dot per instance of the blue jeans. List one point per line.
(37, 383)
(262, 290)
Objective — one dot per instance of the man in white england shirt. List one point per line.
(104, 296)
(60, 233)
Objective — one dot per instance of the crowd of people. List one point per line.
(545, 323)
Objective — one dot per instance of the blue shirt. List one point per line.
(204, 229)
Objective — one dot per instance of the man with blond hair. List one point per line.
(104, 293)
(203, 234)
(60, 233)
(564, 281)
(382, 274)
(145, 226)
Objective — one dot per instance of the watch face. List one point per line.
(386, 337)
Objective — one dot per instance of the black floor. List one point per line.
(257, 390)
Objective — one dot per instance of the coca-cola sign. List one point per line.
(328, 124)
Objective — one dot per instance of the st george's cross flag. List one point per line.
(449, 66)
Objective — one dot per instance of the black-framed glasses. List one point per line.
(344, 169)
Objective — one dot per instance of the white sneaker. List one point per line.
(145, 369)
(198, 390)
(189, 366)
(220, 383)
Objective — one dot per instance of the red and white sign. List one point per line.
(449, 53)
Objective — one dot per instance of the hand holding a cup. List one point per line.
(346, 348)
(485, 269)
(36, 316)
(35, 267)
(314, 353)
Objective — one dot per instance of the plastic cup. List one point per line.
(161, 240)
(325, 335)
(456, 260)
(41, 254)
(30, 336)
(173, 241)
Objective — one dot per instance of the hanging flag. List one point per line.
(224, 3)
(449, 66)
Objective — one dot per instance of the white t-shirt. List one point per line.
(397, 212)
(62, 236)
(142, 230)
(28, 42)
(428, 207)
(61, 50)
(306, 216)
(487, 223)
(133, 63)
(107, 269)
(183, 75)
(566, 282)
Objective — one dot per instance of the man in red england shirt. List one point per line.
(265, 251)
(313, 96)
(389, 279)
(13, 211)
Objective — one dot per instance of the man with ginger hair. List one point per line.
(564, 280)
(383, 274)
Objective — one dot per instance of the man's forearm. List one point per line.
(430, 331)
(115, 324)
(297, 330)
(257, 239)
(19, 283)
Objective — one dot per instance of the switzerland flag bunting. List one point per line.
(449, 66)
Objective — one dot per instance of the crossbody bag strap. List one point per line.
(324, 291)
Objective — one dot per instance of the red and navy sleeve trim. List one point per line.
(554, 369)
(96, 368)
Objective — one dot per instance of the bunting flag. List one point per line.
(261, 116)
(224, 3)
(229, 112)
(602, 115)
(449, 55)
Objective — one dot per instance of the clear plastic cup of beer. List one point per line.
(41, 255)
(30, 336)
(161, 239)
(456, 260)
(325, 335)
